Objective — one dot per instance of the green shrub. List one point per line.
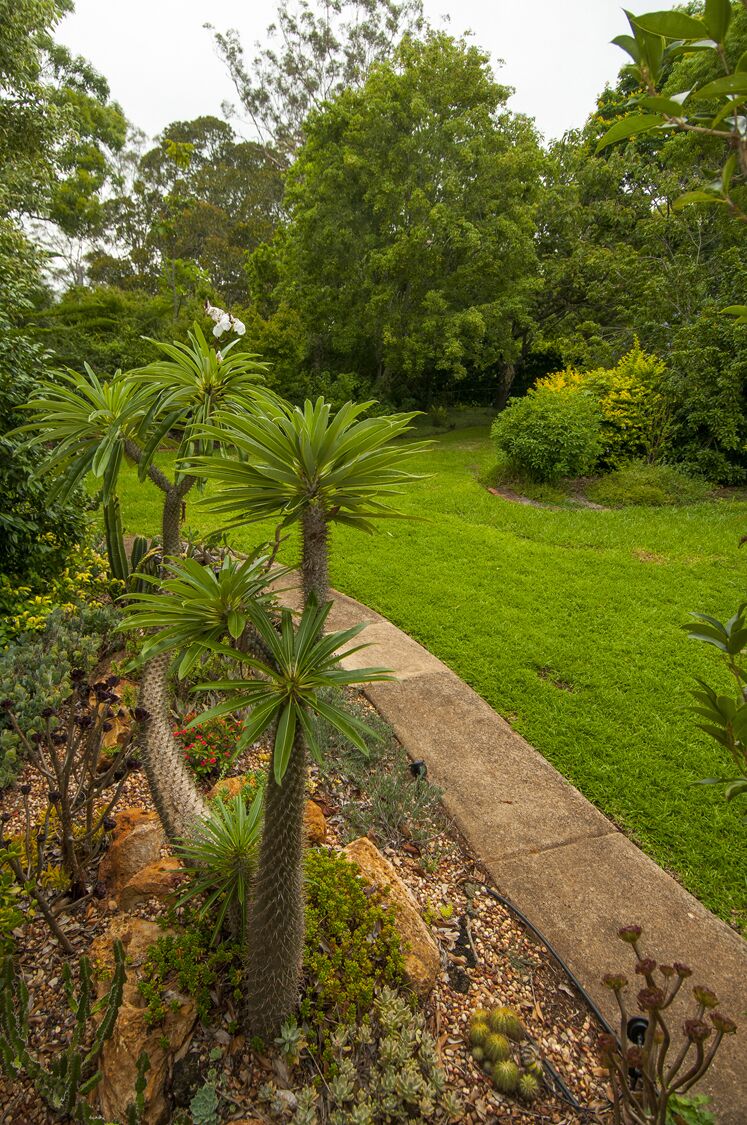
(35, 671)
(352, 947)
(550, 433)
(189, 960)
(642, 485)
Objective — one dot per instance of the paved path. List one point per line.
(571, 871)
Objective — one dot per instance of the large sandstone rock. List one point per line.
(422, 960)
(131, 1035)
(315, 823)
(136, 843)
(157, 880)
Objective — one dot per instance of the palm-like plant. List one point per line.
(223, 853)
(92, 426)
(299, 668)
(309, 465)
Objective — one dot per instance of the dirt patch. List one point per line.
(649, 556)
(549, 677)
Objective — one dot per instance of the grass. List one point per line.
(568, 622)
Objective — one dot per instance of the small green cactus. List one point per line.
(478, 1033)
(529, 1087)
(497, 1047)
(478, 1054)
(506, 1076)
(507, 1022)
(480, 1015)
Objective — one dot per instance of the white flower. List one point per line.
(223, 325)
(213, 312)
(218, 330)
(239, 327)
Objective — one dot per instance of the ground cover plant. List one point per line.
(516, 598)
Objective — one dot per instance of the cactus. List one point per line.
(478, 1033)
(507, 1022)
(115, 548)
(506, 1076)
(72, 1075)
(529, 1087)
(497, 1047)
(145, 558)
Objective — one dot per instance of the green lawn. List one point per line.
(568, 622)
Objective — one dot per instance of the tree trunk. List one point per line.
(276, 917)
(314, 554)
(178, 801)
(507, 377)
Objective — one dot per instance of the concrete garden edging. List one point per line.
(574, 874)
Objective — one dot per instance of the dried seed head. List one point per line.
(109, 823)
(54, 795)
(645, 966)
(25, 789)
(48, 712)
(607, 1045)
(77, 675)
(615, 981)
(666, 971)
(682, 970)
(140, 714)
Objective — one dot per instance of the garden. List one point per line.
(228, 890)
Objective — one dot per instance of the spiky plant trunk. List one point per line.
(276, 920)
(314, 572)
(178, 801)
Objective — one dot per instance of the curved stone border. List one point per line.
(548, 849)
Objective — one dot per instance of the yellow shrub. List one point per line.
(635, 416)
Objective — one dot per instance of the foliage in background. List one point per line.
(314, 53)
(409, 254)
(552, 432)
(634, 411)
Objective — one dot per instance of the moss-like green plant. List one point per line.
(188, 960)
(506, 1076)
(352, 947)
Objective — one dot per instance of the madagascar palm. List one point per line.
(91, 426)
(309, 465)
(288, 689)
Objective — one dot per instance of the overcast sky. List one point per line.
(162, 66)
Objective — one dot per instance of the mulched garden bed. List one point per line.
(487, 958)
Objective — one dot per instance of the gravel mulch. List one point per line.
(487, 958)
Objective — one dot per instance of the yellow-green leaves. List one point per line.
(631, 126)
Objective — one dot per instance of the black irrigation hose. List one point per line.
(556, 1077)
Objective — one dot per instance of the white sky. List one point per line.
(162, 65)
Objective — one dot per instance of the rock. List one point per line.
(229, 787)
(422, 960)
(157, 880)
(131, 1035)
(315, 823)
(137, 842)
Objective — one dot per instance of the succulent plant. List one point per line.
(478, 1054)
(478, 1033)
(497, 1047)
(528, 1087)
(506, 1076)
(507, 1022)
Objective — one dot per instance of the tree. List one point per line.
(323, 48)
(409, 255)
(621, 258)
(56, 128)
(200, 202)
